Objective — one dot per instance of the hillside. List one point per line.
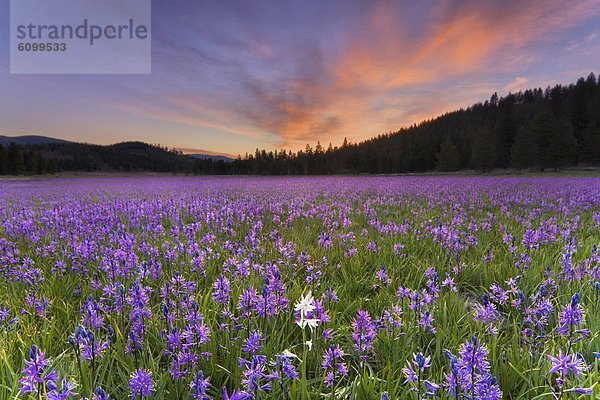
(59, 156)
(30, 140)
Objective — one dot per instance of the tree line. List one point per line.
(535, 129)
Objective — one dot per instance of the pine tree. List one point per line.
(448, 158)
(522, 149)
(589, 137)
(505, 131)
(483, 152)
(3, 161)
(541, 130)
(15, 160)
(562, 145)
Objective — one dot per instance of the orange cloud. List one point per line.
(388, 71)
(520, 83)
(458, 39)
(382, 58)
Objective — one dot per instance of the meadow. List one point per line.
(300, 288)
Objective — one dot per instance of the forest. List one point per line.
(536, 129)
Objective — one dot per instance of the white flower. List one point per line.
(304, 307)
(309, 344)
(287, 353)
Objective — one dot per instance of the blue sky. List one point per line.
(232, 76)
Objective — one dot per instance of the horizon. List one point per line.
(227, 79)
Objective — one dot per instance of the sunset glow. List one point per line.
(229, 76)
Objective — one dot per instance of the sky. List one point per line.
(232, 76)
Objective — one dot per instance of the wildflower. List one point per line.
(141, 384)
(451, 380)
(6, 323)
(87, 345)
(414, 373)
(571, 316)
(486, 313)
(403, 292)
(253, 374)
(383, 277)
(426, 322)
(471, 370)
(538, 314)
(419, 364)
(284, 361)
(449, 283)
(252, 344)
(363, 334)
(320, 313)
(303, 309)
(236, 395)
(585, 391)
(55, 393)
(221, 290)
(334, 365)
(328, 334)
(35, 372)
(100, 394)
(199, 386)
(566, 363)
(391, 319)
(332, 295)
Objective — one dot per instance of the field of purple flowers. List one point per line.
(300, 288)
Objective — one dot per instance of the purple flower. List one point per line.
(334, 365)
(566, 363)
(141, 384)
(235, 395)
(426, 322)
(414, 373)
(221, 290)
(35, 372)
(471, 371)
(383, 277)
(253, 374)
(55, 393)
(288, 369)
(449, 283)
(253, 343)
(100, 394)
(486, 313)
(363, 334)
(585, 391)
(570, 317)
(6, 323)
(199, 386)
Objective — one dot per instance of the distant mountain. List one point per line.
(47, 155)
(211, 157)
(30, 140)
